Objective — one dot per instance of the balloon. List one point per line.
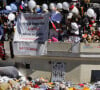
(31, 4)
(52, 6)
(65, 5)
(11, 17)
(90, 12)
(59, 5)
(44, 6)
(57, 17)
(8, 8)
(13, 6)
(38, 9)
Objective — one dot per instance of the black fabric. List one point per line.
(9, 71)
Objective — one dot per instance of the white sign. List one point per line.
(26, 48)
(58, 72)
(24, 38)
(33, 25)
(31, 30)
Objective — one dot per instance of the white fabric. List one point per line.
(37, 89)
(77, 32)
(69, 15)
(75, 10)
(74, 26)
(74, 0)
(20, 74)
(74, 39)
(90, 12)
(4, 79)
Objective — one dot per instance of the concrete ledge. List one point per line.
(90, 48)
(59, 46)
(89, 56)
(62, 49)
(62, 54)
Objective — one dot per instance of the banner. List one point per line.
(24, 38)
(58, 72)
(26, 48)
(31, 34)
(36, 25)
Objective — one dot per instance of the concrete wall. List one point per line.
(41, 67)
(77, 70)
(86, 68)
